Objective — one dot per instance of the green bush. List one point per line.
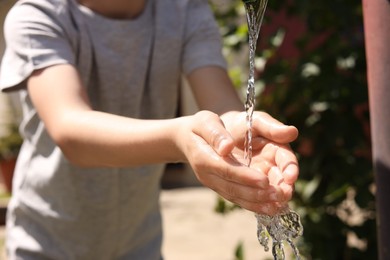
(322, 91)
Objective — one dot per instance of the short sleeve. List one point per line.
(35, 39)
(203, 45)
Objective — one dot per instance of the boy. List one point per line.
(99, 86)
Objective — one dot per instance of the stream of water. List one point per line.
(285, 225)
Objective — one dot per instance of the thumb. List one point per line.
(211, 129)
(270, 128)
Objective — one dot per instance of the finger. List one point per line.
(229, 170)
(283, 158)
(287, 162)
(262, 166)
(264, 159)
(291, 173)
(275, 176)
(265, 125)
(267, 208)
(288, 191)
(212, 130)
(265, 156)
(233, 191)
(209, 164)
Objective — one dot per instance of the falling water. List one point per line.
(285, 225)
(254, 13)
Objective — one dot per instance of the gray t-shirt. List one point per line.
(130, 68)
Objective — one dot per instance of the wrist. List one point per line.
(178, 135)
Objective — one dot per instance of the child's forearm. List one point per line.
(92, 138)
(214, 91)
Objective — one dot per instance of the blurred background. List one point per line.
(311, 73)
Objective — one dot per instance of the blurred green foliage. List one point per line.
(10, 143)
(239, 252)
(312, 74)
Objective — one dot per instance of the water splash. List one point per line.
(285, 225)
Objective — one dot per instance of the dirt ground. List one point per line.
(193, 231)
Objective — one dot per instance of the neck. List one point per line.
(116, 9)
